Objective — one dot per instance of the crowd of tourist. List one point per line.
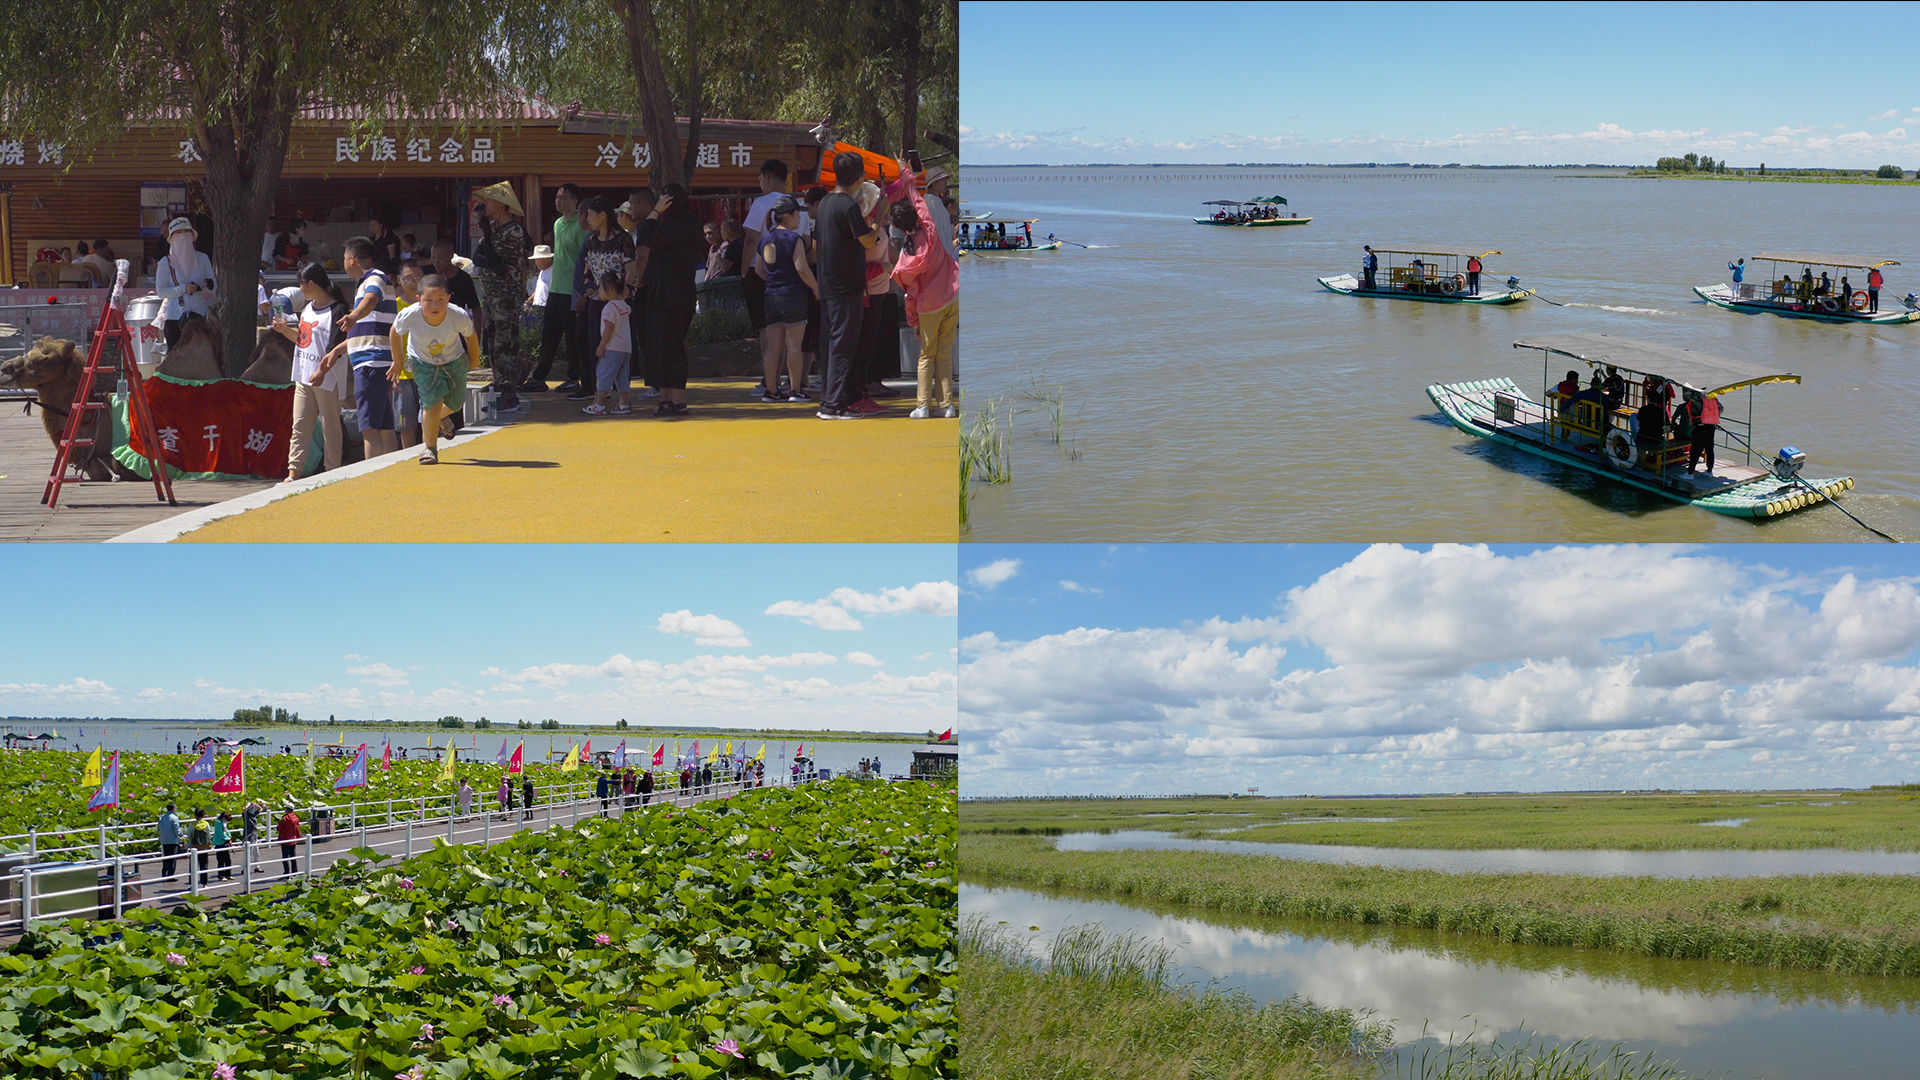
(827, 279)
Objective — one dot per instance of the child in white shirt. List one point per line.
(615, 351)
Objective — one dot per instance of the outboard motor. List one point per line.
(1912, 302)
(1513, 283)
(1787, 463)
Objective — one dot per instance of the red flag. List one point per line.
(515, 763)
(386, 760)
(797, 750)
(586, 750)
(660, 756)
(947, 734)
(235, 782)
(695, 753)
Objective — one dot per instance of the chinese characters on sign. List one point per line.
(479, 150)
(608, 155)
(14, 152)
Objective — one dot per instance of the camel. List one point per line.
(53, 367)
(196, 354)
(271, 362)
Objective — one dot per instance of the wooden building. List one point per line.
(421, 170)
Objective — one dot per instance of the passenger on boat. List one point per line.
(1706, 423)
(1369, 263)
(1418, 281)
(1739, 270)
(1874, 281)
(1613, 390)
(1846, 292)
(1825, 287)
(1473, 275)
(1653, 386)
(1591, 393)
(1569, 386)
(1806, 283)
(1650, 430)
(1786, 287)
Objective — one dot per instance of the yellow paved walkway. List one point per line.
(736, 470)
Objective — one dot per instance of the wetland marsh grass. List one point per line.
(1882, 819)
(1101, 1005)
(1098, 1004)
(1848, 923)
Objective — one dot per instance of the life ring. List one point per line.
(1459, 283)
(1619, 449)
(1829, 305)
(1859, 299)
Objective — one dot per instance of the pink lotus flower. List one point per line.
(321, 959)
(728, 1046)
(418, 1072)
(176, 959)
(603, 939)
(426, 1032)
(406, 883)
(224, 1071)
(453, 924)
(416, 970)
(503, 1001)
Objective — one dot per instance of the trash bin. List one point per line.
(320, 821)
(129, 889)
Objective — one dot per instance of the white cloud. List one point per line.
(837, 610)
(1890, 114)
(1460, 667)
(710, 630)
(1076, 587)
(864, 659)
(380, 673)
(994, 574)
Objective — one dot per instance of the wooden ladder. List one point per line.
(113, 327)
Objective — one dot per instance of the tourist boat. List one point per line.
(1580, 431)
(1830, 297)
(988, 235)
(1252, 214)
(1434, 274)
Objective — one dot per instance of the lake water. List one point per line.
(162, 738)
(1723, 1020)
(1212, 390)
(1664, 864)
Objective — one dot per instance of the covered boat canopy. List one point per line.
(1224, 202)
(1458, 251)
(1269, 200)
(1846, 262)
(1696, 371)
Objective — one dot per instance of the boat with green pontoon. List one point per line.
(1832, 297)
(1597, 427)
(1261, 213)
(1446, 274)
(989, 235)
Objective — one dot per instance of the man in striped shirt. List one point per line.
(367, 326)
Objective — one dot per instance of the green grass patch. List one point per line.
(1099, 1005)
(1855, 924)
(790, 933)
(1102, 1005)
(1878, 820)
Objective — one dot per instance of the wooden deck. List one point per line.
(87, 512)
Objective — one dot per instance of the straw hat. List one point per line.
(502, 192)
(625, 208)
(540, 251)
(181, 224)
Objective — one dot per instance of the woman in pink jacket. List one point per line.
(931, 279)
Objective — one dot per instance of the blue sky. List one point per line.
(1067, 83)
(802, 636)
(1343, 669)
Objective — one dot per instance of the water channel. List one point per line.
(1665, 864)
(1712, 1019)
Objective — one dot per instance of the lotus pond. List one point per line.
(785, 933)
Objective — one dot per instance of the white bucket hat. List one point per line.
(180, 224)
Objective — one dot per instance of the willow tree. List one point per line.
(232, 77)
(887, 70)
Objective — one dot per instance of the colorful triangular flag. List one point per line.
(501, 760)
(659, 756)
(620, 755)
(946, 735)
(447, 773)
(571, 762)
(517, 763)
(201, 771)
(91, 778)
(356, 774)
(235, 782)
(108, 796)
(386, 760)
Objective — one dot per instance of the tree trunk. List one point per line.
(910, 78)
(242, 174)
(670, 165)
(694, 97)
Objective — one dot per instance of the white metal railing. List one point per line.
(119, 875)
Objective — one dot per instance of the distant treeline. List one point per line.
(1702, 164)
